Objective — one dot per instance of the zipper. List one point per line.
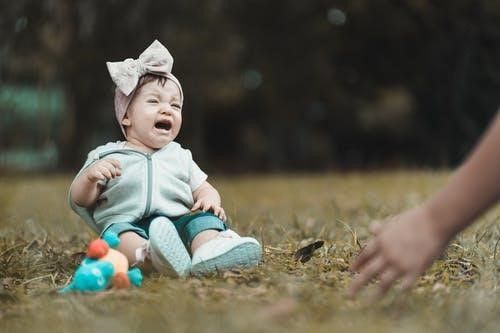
(150, 186)
(149, 162)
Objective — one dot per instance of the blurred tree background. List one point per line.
(269, 85)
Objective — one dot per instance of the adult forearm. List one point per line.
(473, 188)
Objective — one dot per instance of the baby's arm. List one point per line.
(86, 189)
(406, 246)
(207, 198)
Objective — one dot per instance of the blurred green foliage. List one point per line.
(273, 85)
(29, 119)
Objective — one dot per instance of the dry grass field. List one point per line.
(41, 242)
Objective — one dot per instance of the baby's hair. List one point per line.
(161, 80)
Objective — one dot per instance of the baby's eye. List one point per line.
(176, 106)
(152, 100)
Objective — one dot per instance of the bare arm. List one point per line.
(86, 189)
(407, 245)
(207, 198)
(472, 189)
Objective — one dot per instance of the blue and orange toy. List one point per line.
(103, 268)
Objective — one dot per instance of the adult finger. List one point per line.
(365, 255)
(409, 280)
(371, 270)
(217, 211)
(387, 279)
(375, 227)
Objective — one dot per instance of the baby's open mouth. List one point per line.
(164, 125)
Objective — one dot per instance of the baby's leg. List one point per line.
(202, 238)
(215, 248)
(134, 248)
(166, 249)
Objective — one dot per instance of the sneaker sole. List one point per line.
(243, 255)
(168, 249)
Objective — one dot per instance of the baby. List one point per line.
(148, 189)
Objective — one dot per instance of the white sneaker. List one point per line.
(166, 250)
(226, 251)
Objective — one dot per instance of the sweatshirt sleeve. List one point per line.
(196, 175)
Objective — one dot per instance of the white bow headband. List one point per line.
(126, 74)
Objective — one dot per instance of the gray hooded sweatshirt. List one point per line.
(159, 183)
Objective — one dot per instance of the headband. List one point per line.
(126, 74)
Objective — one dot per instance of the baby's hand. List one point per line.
(103, 170)
(206, 204)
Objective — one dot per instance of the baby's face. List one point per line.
(154, 116)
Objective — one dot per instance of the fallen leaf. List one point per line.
(305, 254)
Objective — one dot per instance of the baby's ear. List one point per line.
(125, 121)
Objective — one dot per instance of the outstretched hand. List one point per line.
(403, 248)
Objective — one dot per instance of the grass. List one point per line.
(41, 243)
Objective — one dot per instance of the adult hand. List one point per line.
(403, 248)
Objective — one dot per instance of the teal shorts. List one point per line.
(188, 226)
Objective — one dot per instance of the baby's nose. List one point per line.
(166, 108)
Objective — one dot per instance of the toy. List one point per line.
(104, 267)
